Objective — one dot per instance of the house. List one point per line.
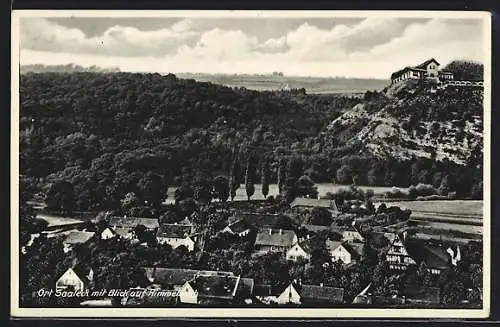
(308, 203)
(176, 235)
(76, 278)
(296, 293)
(434, 258)
(76, 237)
(125, 233)
(397, 255)
(240, 228)
(274, 240)
(215, 289)
(261, 221)
(347, 252)
(349, 233)
(107, 233)
(315, 229)
(132, 222)
(300, 250)
(428, 70)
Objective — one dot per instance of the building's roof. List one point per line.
(314, 203)
(425, 63)
(122, 231)
(258, 220)
(215, 286)
(239, 226)
(174, 231)
(169, 276)
(275, 237)
(332, 245)
(132, 222)
(445, 73)
(355, 249)
(305, 245)
(78, 237)
(267, 290)
(316, 228)
(421, 68)
(320, 293)
(185, 221)
(82, 271)
(434, 256)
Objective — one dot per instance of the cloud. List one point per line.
(373, 47)
(42, 34)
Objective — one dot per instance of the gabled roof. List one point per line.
(169, 276)
(332, 245)
(259, 221)
(122, 231)
(320, 293)
(215, 286)
(132, 222)
(239, 226)
(82, 271)
(78, 237)
(355, 249)
(425, 63)
(305, 245)
(314, 203)
(434, 256)
(174, 231)
(274, 237)
(316, 228)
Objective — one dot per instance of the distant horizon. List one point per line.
(353, 47)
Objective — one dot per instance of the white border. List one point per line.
(18, 312)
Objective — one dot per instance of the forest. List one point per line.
(92, 138)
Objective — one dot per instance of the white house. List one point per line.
(310, 294)
(299, 250)
(274, 240)
(175, 235)
(76, 278)
(428, 70)
(187, 294)
(107, 233)
(344, 251)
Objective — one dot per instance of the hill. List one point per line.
(114, 133)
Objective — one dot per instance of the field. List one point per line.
(466, 209)
(323, 188)
(348, 86)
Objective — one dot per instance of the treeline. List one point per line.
(465, 70)
(69, 68)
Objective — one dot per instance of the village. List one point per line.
(309, 233)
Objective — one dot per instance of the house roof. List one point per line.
(185, 221)
(239, 226)
(355, 249)
(132, 222)
(434, 256)
(315, 228)
(314, 203)
(320, 293)
(174, 231)
(122, 231)
(425, 63)
(259, 221)
(305, 245)
(82, 271)
(274, 237)
(78, 237)
(332, 245)
(215, 286)
(169, 276)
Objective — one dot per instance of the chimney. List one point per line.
(281, 231)
(321, 284)
(270, 231)
(307, 236)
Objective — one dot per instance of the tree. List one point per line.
(320, 216)
(221, 188)
(249, 176)
(281, 175)
(129, 201)
(60, 197)
(152, 189)
(234, 176)
(305, 187)
(265, 178)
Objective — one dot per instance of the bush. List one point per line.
(396, 193)
(421, 190)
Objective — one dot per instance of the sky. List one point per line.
(361, 47)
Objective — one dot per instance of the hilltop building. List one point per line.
(428, 70)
